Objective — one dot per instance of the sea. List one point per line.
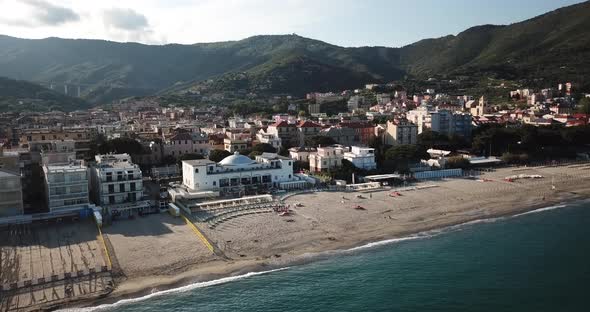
(535, 261)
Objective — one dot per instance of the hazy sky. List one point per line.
(342, 22)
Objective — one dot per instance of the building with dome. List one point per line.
(239, 175)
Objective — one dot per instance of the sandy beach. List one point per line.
(162, 252)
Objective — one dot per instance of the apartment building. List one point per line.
(400, 132)
(361, 157)
(287, 132)
(184, 142)
(66, 186)
(116, 184)
(327, 158)
(11, 195)
(267, 138)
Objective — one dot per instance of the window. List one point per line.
(109, 176)
(111, 189)
(132, 186)
(214, 183)
(111, 199)
(196, 170)
(43, 137)
(121, 187)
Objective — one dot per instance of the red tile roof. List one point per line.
(307, 124)
(282, 123)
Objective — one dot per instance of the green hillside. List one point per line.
(554, 46)
(25, 96)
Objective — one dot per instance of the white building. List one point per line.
(58, 152)
(361, 157)
(421, 117)
(116, 183)
(238, 174)
(66, 187)
(11, 194)
(301, 153)
(268, 138)
(327, 158)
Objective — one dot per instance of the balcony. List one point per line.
(118, 192)
(68, 196)
(68, 182)
(123, 179)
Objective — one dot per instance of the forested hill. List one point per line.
(553, 46)
(18, 95)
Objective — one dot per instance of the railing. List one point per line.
(69, 182)
(115, 192)
(68, 196)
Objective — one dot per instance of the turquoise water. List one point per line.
(535, 262)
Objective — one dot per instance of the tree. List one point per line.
(120, 146)
(583, 106)
(318, 140)
(245, 152)
(264, 148)
(458, 162)
(511, 158)
(218, 155)
(399, 157)
(299, 165)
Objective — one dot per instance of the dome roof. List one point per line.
(236, 160)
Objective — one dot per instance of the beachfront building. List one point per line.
(116, 184)
(11, 194)
(66, 187)
(301, 153)
(238, 174)
(58, 152)
(362, 157)
(400, 132)
(327, 158)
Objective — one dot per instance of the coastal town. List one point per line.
(136, 195)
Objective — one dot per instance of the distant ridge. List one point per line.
(552, 46)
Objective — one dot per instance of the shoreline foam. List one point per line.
(318, 256)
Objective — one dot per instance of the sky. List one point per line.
(350, 23)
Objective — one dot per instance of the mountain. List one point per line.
(553, 46)
(18, 95)
(109, 70)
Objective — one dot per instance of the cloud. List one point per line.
(41, 13)
(49, 14)
(125, 19)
